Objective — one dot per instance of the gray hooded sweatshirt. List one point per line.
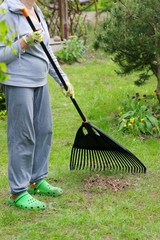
(27, 68)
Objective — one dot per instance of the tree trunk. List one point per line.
(158, 90)
(158, 78)
(63, 11)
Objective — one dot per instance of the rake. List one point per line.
(92, 148)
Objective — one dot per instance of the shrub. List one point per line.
(137, 117)
(2, 106)
(73, 50)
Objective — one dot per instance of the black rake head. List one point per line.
(93, 149)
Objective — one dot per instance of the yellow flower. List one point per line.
(125, 125)
(121, 113)
(123, 120)
(129, 125)
(132, 120)
(142, 119)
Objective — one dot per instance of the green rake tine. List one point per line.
(108, 160)
(93, 157)
(90, 159)
(96, 159)
(113, 159)
(75, 157)
(84, 159)
(141, 166)
(133, 164)
(124, 162)
(100, 165)
(122, 159)
(100, 152)
(86, 154)
(87, 159)
(72, 158)
(104, 160)
(136, 163)
(119, 162)
(118, 166)
(78, 157)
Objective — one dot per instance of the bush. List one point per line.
(2, 106)
(137, 117)
(73, 50)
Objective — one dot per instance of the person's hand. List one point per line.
(33, 37)
(70, 91)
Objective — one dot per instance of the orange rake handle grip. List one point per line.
(24, 11)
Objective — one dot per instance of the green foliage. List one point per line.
(2, 106)
(131, 32)
(73, 50)
(3, 77)
(102, 5)
(136, 116)
(3, 33)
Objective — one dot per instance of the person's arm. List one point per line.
(23, 44)
(7, 55)
(10, 53)
(52, 72)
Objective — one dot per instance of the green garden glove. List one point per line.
(34, 37)
(70, 91)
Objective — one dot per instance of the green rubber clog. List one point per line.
(27, 202)
(46, 189)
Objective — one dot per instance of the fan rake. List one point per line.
(96, 150)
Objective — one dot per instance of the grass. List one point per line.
(82, 212)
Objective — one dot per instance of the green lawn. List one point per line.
(90, 208)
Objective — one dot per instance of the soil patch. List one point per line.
(109, 182)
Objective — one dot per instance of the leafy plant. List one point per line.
(3, 76)
(136, 116)
(2, 106)
(73, 50)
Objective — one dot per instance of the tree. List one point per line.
(131, 33)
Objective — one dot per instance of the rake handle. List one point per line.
(25, 13)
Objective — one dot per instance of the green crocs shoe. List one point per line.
(27, 202)
(46, 189)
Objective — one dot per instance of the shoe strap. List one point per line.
(20, 196)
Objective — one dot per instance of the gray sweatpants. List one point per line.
(29, 135)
